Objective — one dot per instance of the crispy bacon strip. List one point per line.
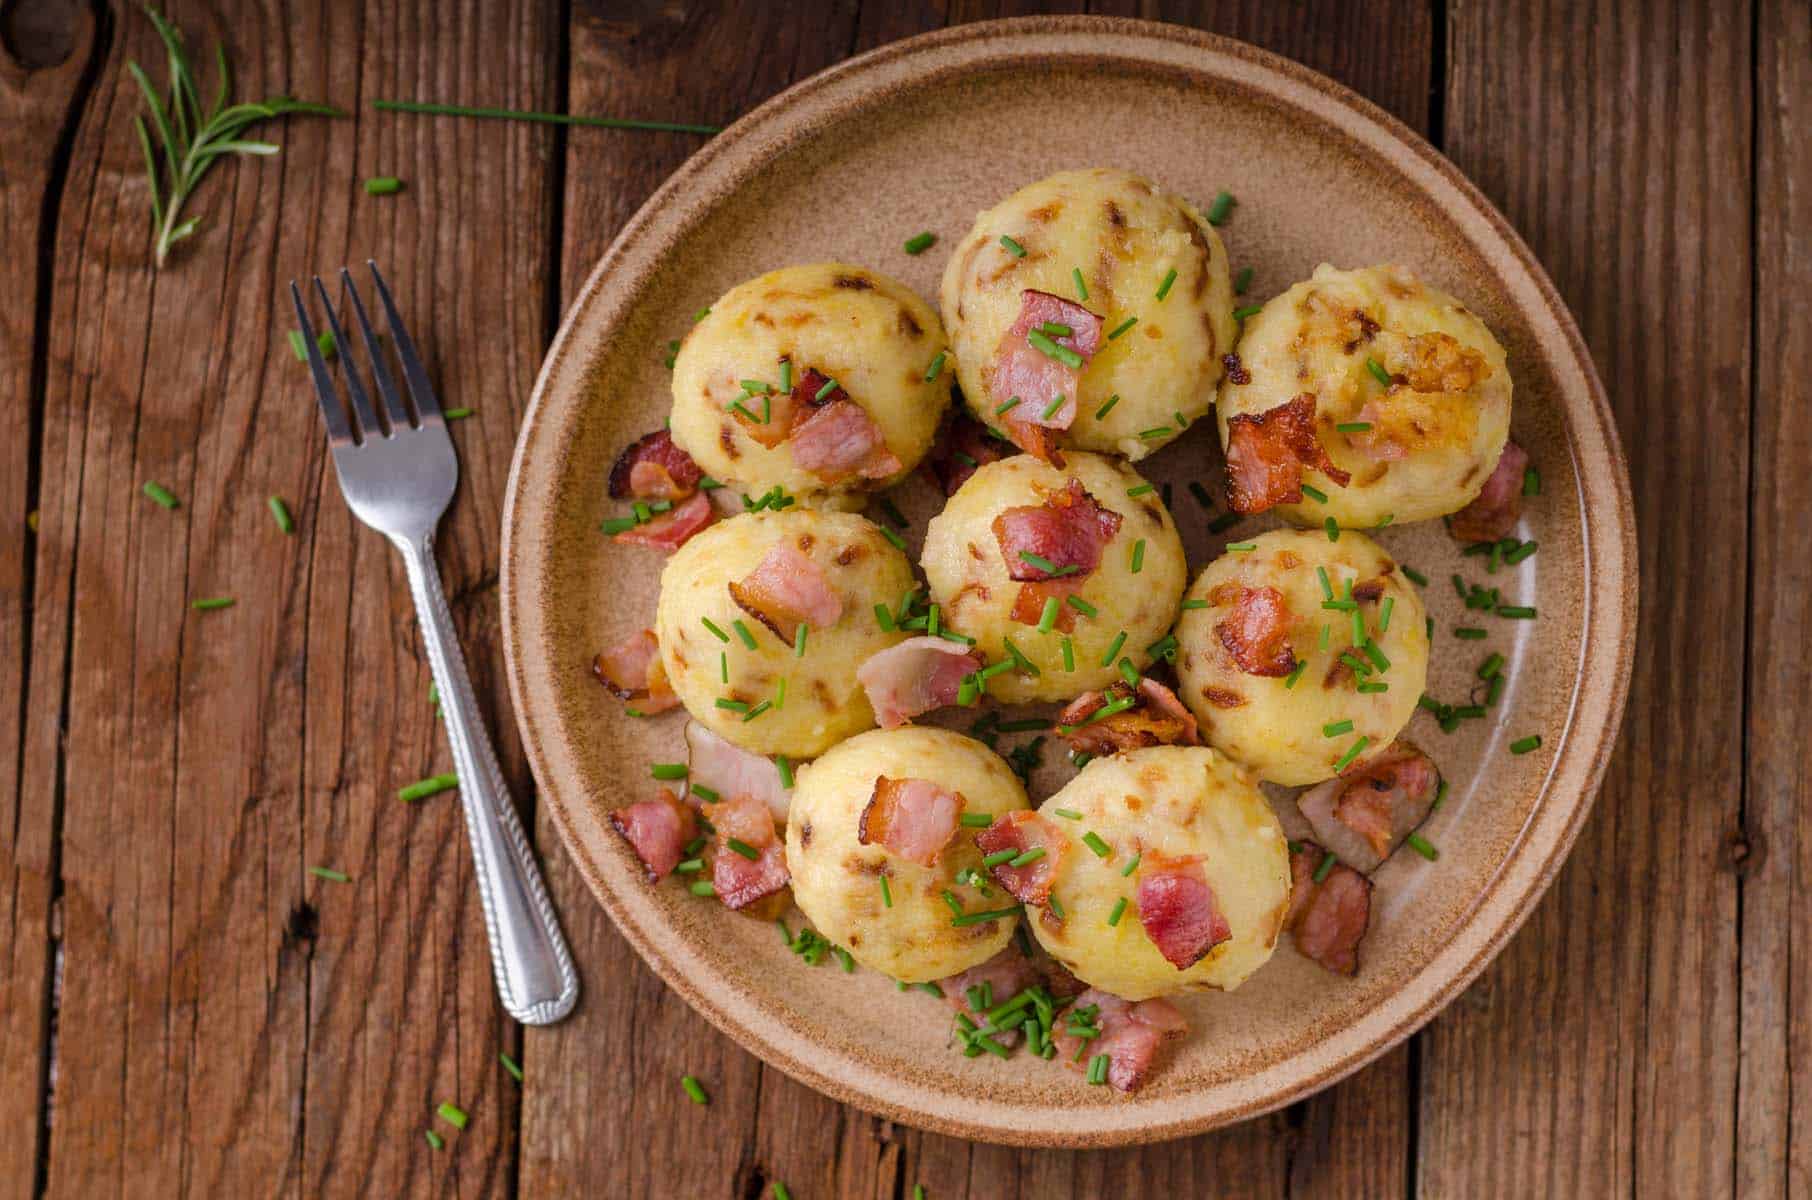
(1019, 831)
(1021, 369)
(913, 818)
(632, 671)
(654, 468)
(787, 590)
(1069, 531)
(962, 447)
(1131, 1035)
(1157, 718)
(1266, 455)
(1028, 603)
(657, 830)
(1328, 919)
(1178, 909)
(728, 770)
(1364, 815)
(1494, 511)
(740, 880)
(914, 677)
(1257, 633)
(670, 530)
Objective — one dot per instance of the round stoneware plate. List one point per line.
(921, 136)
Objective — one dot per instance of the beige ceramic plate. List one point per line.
(922, 135)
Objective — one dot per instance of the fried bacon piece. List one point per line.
(744, 823)
(721, 766)
(962, 447)
(834, 437)
(657, 830)
(1022, 831)
(787, 590)
(654, 468)
(1266, 455)
(1156, 718)
(1131, 1034)
(1178, 909)
(670, 529)
(1052, 548)
(1037, 378)
(1257, 633)
(913, 818)
(1364, 815)
(632, 670)
(1494, 511)
(1328, 919)
(914, 677)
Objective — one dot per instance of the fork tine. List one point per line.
(333, 411)
(361, 403)
(419, 389)
(393, 399)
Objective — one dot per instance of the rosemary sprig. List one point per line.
(191, 140)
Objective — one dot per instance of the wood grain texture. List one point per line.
(41, 86)
(1596, 1056)
(1776, 1048)
(230, 1024)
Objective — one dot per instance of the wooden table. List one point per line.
(186, 1010)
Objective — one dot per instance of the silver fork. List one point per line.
(398, 477)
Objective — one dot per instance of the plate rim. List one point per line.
(1585, 743)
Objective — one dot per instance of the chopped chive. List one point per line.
(781, 1192)
(1069, 652)
(1097, 1069)
(886, 893)
(780, 692)
(1154, 433)
(1518, 611)
(1371, 686)
(1242, 281)
(1050, 349)
(1138, 556)
(1352, 426)
(702, 887)
(937, 366)
(616, 525)
(1459, 585)
(1113, 918)
(668, 770)
(799, 640)
(1378, 371)
(1012, 247)
(1512, 557)
(1141, 489)
(1390, 602)
(452, 1114)
(1324, 636)
(1302, 664)
(1094, 842)
(1314, 493)
(330, 874)
(742, 633)
(1238, 548)
(1048, 619)
(1332, 528)
(956, 906)
(212, 602)
(756, 387)
(1531, 482)
(1197, 603)
(1055, 329)
(1046, 565)
(1491, 666)
(1050, 409)
(690, 866)
(325, 344)
(161, 494)
(1376, 655)
(1247, 310)
(899, 543)
(735, 706)
(918, 243)
(1131, 866)
(1337, 728)
(693, 1089)
(716, 632)
(1440, 796)
(704, 793)
(1416, 577)
(1081, 287)
(1470, 633)
(1009, 406)
(1020, 661)
(1524, 745)
(757, 711)
(884, 618)
(998, 857)
(743, 848)
(1327, 864)
(510, 1065)
(1164, 648)
(1113, 651)
(1353, 752)
(1360, 667)
(1122, 327)
(1222, 206)
(1068, 814)
(1327, 588)
(978, 918)
(1422, 846)
(1170, 277)
(1224, 522)
(786, 375)
(1494, 689)
(1056, 907)
(433, 785)
(298, 346)
(434, 1139)
(1129, 672)
(830, 385)
(977, 820)
(1082, 606)
(739, 407)
(1026, 857)
(723, 667)
(280, 511)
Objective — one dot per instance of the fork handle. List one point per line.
(534, 969)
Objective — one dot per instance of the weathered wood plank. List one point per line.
(1775, 1060)
(41, 91)
(1595, 1056)
(230, 1024)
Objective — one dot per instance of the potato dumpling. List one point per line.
(1143, 256)
(887, 805)
(854, 408)
(1295, 690)
(1187, 816)
(1417, 381)
(982, 554)
(733, 599)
